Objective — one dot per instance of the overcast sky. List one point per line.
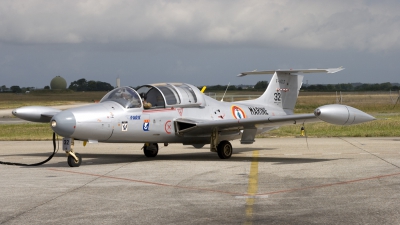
(198, 42)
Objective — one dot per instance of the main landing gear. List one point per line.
(150, 149)
(223, 148)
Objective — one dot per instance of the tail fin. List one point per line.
(282, 91)
(284, 87)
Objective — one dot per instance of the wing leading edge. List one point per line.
(198, 127)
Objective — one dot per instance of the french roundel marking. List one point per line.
(167, 127)
(237, 112)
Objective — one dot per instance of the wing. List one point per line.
(203, 127)
(331, 70)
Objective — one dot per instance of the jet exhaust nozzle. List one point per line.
(342, 115)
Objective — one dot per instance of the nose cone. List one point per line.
(63, 123)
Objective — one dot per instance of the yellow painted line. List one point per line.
(252, 187)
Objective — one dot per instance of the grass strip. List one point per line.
(388, 126)
(26, 132)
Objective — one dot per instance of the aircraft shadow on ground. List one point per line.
(206, 156)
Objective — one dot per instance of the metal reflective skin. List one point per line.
(342, 114)
(35, 113)
(94, 122)
(63, 123)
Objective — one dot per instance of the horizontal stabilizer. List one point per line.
(290, 71)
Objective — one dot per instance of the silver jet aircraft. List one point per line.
(181, 113)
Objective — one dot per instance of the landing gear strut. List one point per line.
(150, 149)
(74, 159)
(223, 148)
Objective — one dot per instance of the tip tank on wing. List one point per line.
(35, 113)
(342, 115)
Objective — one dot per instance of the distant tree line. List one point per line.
(220, 88)
(15, 89)
(78, 85)
(84, 85)
(351, 87)
(260, 85)
(91, 85)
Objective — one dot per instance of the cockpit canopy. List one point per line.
(125, 96)
(172, 94)
(160, 95)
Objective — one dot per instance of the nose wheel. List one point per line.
(74, 159)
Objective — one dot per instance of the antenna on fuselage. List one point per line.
(222, 99)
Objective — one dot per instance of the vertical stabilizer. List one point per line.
(284, 87)
(282, 91)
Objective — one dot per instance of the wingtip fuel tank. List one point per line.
(40, 114)
(342, 115)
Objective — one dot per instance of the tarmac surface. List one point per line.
(273, 181)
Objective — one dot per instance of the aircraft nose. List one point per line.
(63, 123)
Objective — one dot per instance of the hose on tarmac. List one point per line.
(40, 163)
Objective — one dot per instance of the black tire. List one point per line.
(151, 150)
(198, 145)
(71, 160)
(224, 150)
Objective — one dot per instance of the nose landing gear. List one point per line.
(74, 159)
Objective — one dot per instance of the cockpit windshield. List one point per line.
(125, 96)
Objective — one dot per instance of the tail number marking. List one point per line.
(277, 97)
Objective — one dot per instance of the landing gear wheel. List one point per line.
(151, 150)
(224, 150)
(72, 162)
